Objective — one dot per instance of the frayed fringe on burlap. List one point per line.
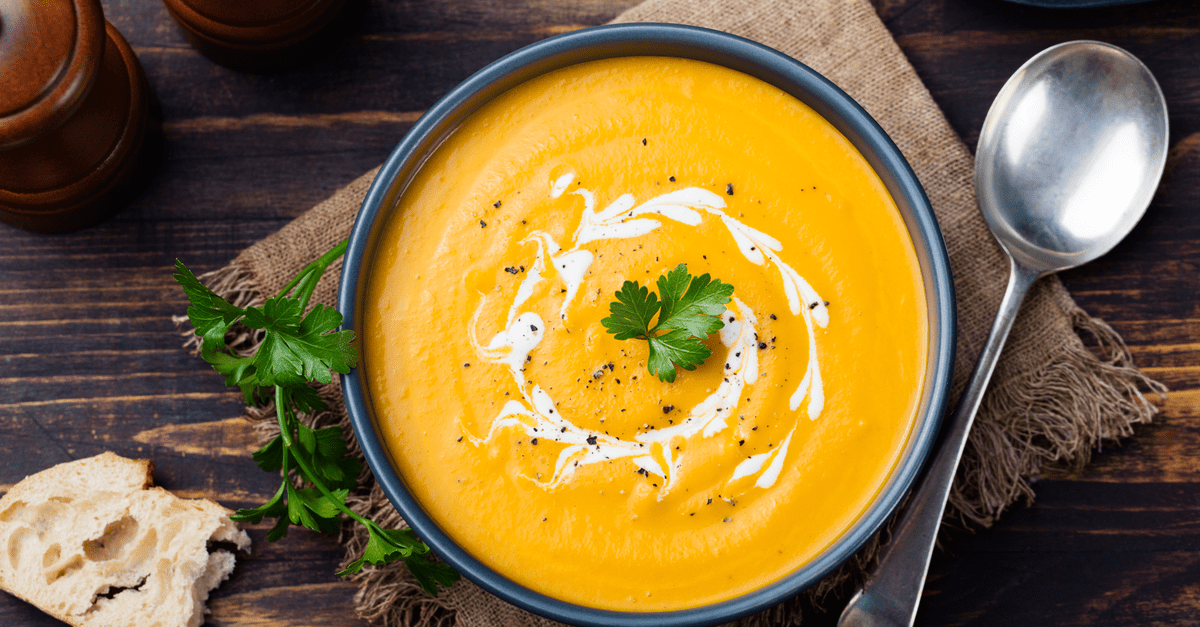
(1060, 415)
(1092, 395)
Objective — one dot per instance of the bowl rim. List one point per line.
(749, 57)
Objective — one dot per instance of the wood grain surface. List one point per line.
(90, 360)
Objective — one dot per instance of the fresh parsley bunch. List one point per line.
(690, 308)
(297, 348)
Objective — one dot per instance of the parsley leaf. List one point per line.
(676, 348)
(299, 348)
(696, 310)
(689, 310)
(274, 507)
(386, 545)
(210, 314)
(306, 399)
(314, 510)
(238, 371)
(426, 571)
(270, 457)
(632, 313)
(327, 451)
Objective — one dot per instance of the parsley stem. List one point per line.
(305, 290)
(307, 285)
(306, 280)
(284, 469)
(296, 279)
(285, 431)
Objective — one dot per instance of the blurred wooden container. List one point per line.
(74, 107)
(255, 35)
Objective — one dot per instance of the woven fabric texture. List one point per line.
(1053, 398)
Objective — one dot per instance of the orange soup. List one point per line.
(539, 442)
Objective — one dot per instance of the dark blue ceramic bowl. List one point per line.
(703, 45)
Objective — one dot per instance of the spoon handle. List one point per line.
(891, 595)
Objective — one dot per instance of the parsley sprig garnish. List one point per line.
(690, 308)
(297, 348)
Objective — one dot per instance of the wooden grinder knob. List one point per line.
(73, 114)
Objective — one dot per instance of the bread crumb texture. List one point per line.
(93, 543)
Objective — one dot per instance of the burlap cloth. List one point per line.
(1053, 398)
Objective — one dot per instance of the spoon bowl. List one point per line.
(1070, 154)
(1068, 160)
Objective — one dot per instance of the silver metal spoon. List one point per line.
(1069, 157)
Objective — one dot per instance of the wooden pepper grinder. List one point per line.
(255, 35)
(74, 108)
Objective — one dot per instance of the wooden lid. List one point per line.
(261, 22)
(249, 14)
(49, 57)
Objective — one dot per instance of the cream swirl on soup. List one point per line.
(651, 451)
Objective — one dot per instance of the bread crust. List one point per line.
(93, 543)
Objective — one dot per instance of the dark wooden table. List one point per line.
(90, 360)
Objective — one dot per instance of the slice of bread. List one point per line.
(94, 544)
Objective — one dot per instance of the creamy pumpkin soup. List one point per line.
(541, 443)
